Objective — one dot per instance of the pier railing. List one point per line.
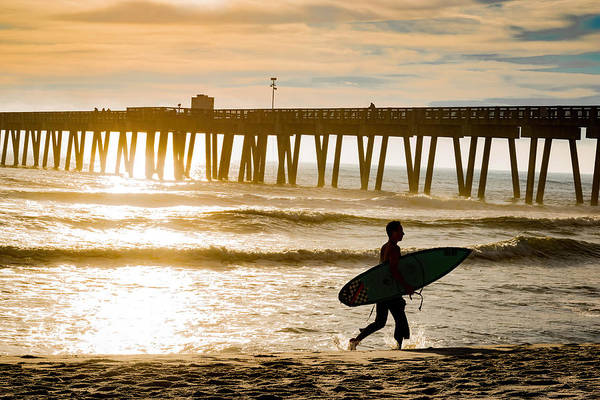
(520, 114)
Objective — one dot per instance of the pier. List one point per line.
(43, 133)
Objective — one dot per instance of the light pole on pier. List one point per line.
(274, 86)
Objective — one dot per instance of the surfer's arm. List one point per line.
(394, 257)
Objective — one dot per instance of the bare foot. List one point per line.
(352, 344)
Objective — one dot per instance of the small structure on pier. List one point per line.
(203, 102)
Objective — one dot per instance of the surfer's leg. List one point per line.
(381, 313)
(401, 331)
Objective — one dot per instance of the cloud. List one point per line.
(576, 26)
(337, 81)
(521, 101)
(458, 25)
(152, 12)
(585, 63)
(243, 12)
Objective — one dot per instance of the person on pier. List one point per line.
(390, 253)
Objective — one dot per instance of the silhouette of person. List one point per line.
(390, 253)
(372, 110)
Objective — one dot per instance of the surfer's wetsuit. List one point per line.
(395, 306)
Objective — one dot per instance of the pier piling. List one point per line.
(150, 162)
(225, 160)
(25, 148)
(514, 170)
(288, 159)
(576, 174)
(190, 154)
(283, 149)
(54, 140)
(364, 160)
(543, 171)
(76, 146)
(260, 151)
(207, 156)
(100, 146)
(531, 170)
(35, 136)
(459, 168)
(381, 163)
(293, 163)
(255, 158)
(336, 160)
(5, 147)
(485, 162)
(321, 143)
(468, 188)
(179, 141)
(215, 155)
(430, 163)
(126, 153)
(163, 140)
(245, 171)
(409, 164)
(15, 140)
(413, 167)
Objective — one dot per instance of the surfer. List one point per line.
(390, 253)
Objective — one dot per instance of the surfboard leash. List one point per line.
(371, 313)
(420, 292)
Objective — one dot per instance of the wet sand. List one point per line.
(524, 371)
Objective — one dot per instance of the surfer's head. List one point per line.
(394, 231)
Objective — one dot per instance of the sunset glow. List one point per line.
(79, 55)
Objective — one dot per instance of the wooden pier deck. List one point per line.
(41, 134)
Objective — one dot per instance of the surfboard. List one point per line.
(418, 270)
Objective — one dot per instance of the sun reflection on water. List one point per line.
(136, 309)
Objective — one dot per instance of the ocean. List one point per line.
(104, 264)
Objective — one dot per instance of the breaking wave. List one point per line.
(261, 218)
(519, 247)
(534, 247)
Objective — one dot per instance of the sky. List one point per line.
(73, 54)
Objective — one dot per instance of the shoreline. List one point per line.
(502, 371)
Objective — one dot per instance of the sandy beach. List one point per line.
(522, 371)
